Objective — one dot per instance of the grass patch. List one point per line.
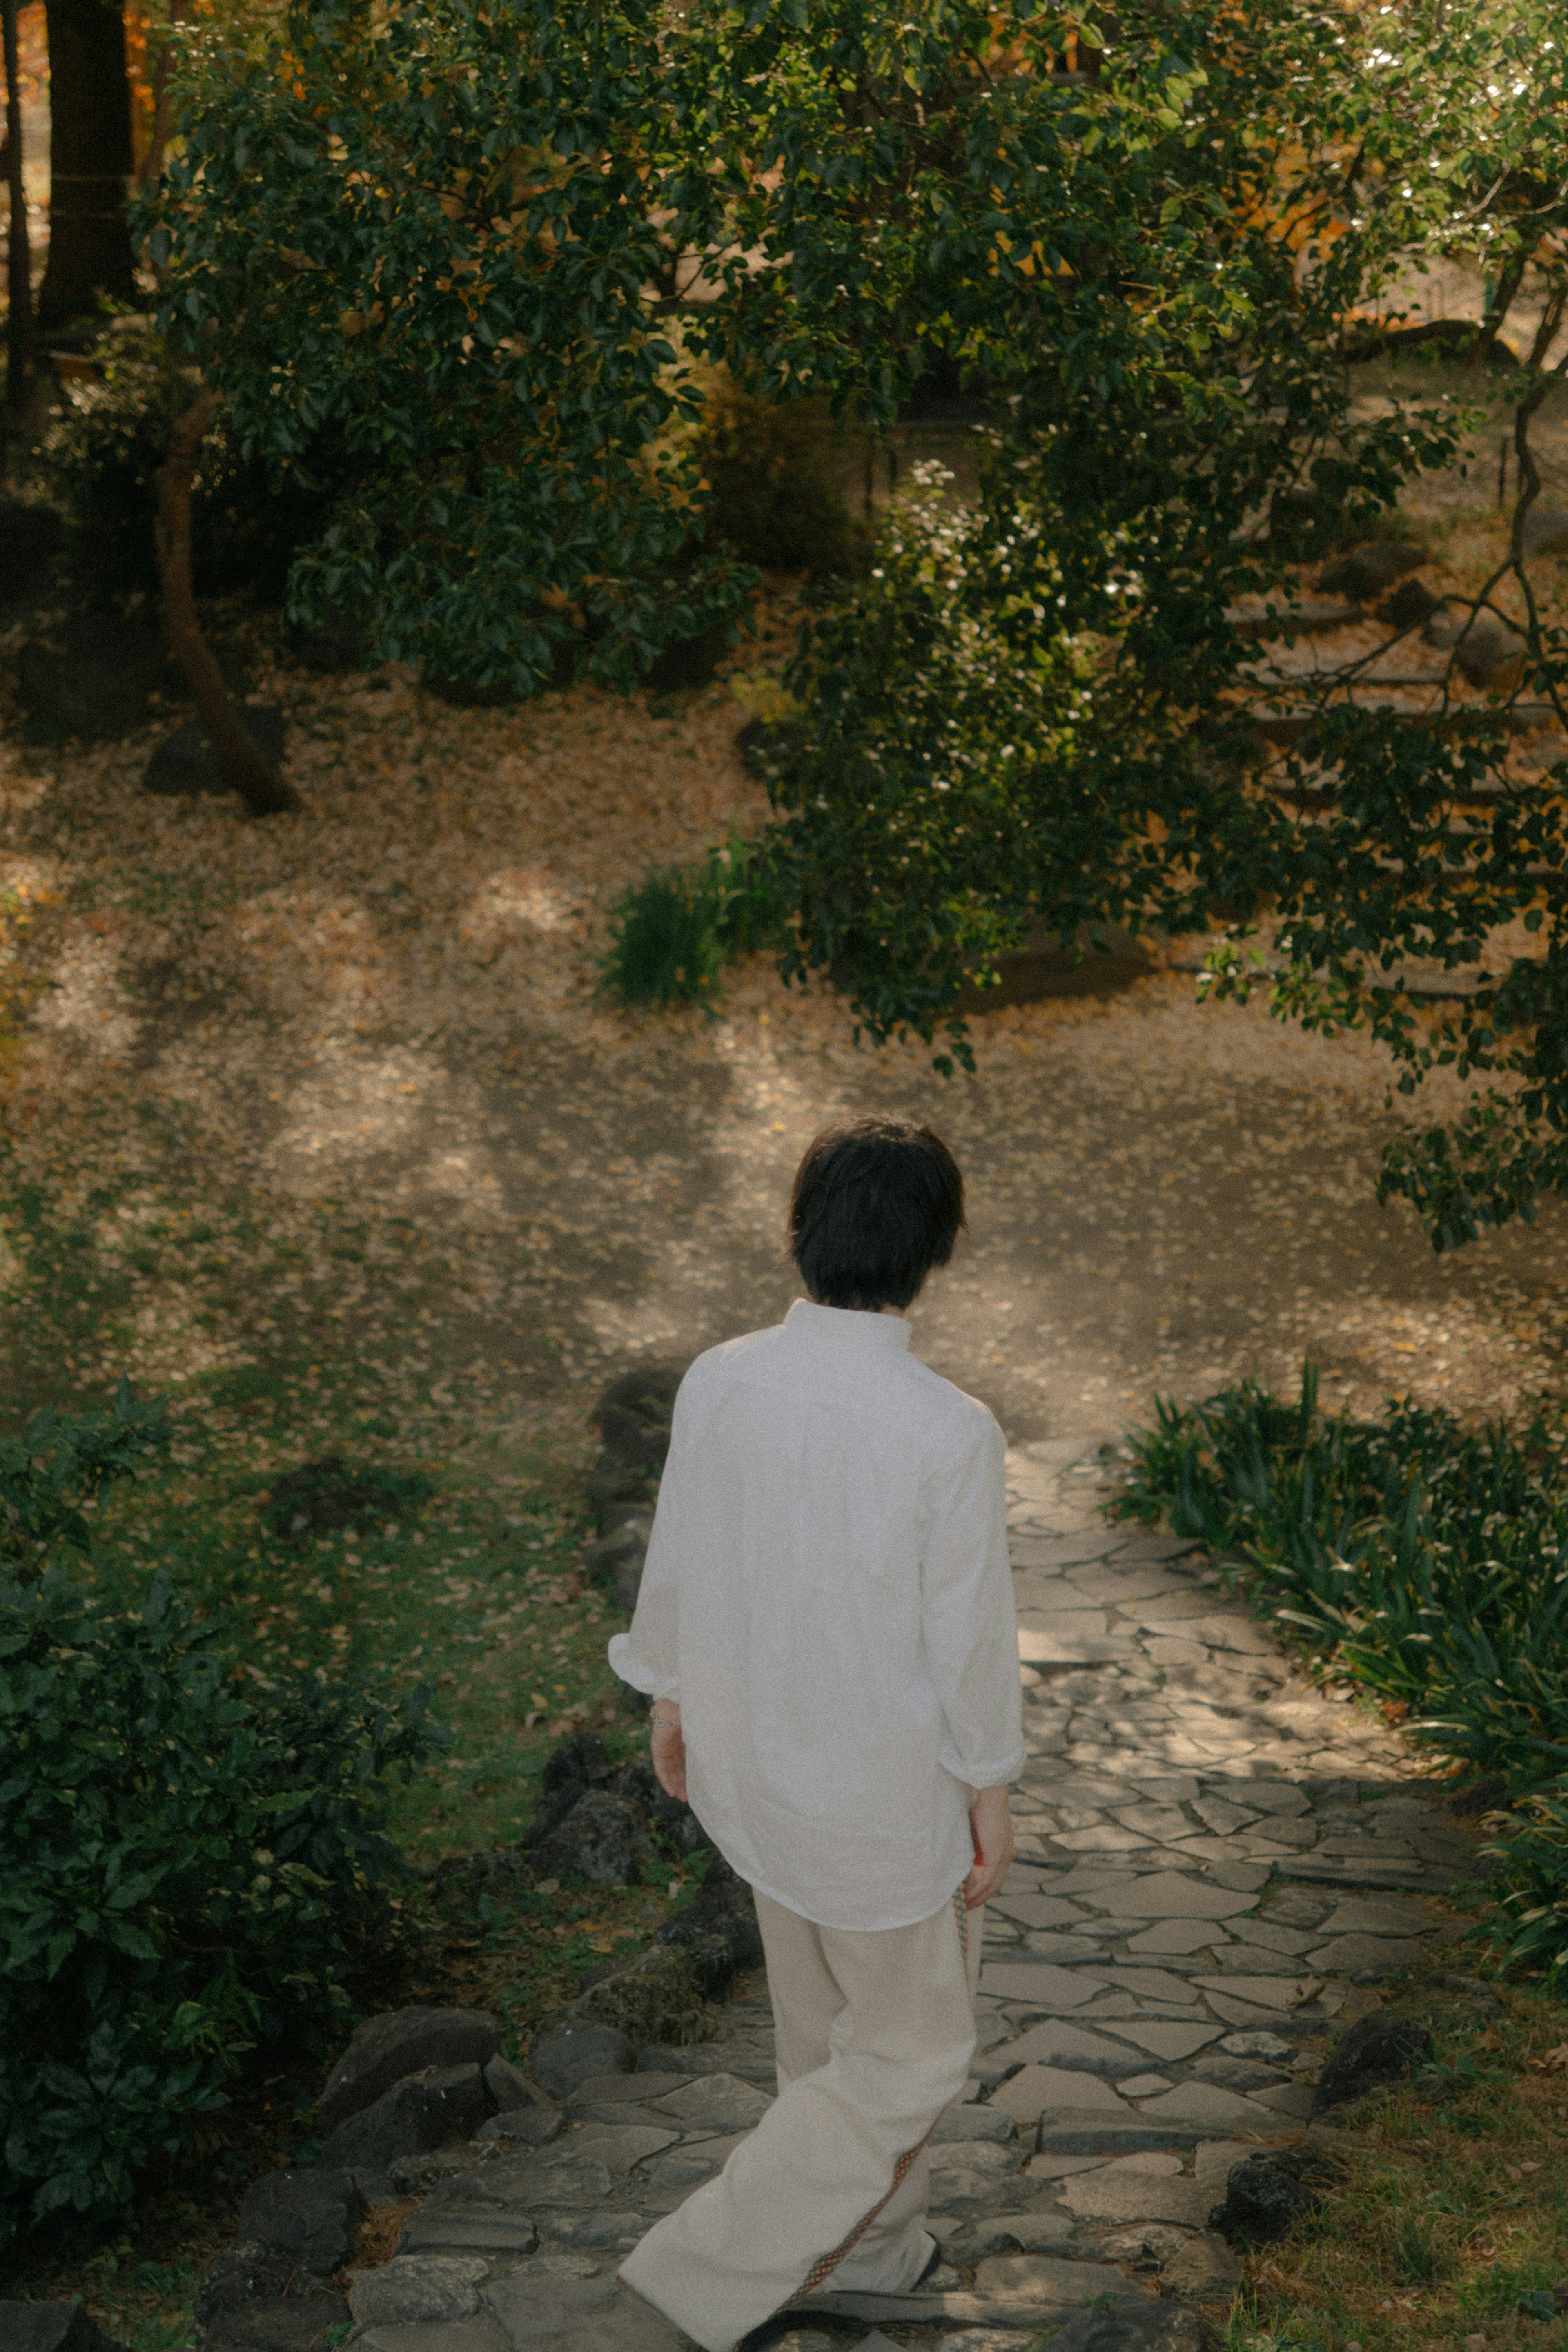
(470, 1577)
(1452, 2218)
(672, 935)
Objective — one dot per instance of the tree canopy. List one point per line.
(475, 258)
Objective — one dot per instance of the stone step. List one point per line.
(1096, 2134)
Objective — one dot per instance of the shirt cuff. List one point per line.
(631, 1668)
(982, 1772)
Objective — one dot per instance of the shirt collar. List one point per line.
(848, 1323)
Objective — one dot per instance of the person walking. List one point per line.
(826, 1627)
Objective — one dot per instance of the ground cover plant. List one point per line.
(1423, 1560)
(192, 1856)
(672, 935)
(1448, 2222)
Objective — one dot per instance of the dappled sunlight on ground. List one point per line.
(345, 1078)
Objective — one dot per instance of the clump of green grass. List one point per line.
(672, 935)
(1425, 1560)
(1450, 2219)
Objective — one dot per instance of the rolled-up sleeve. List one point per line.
(648, 1654)
(969, 1624)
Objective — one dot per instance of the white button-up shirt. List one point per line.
(827, 1595)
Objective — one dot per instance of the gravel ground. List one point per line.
(338, 1084)
(376, 1018)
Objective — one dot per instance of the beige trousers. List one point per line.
(876, 2031)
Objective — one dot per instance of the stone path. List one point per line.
(1216, 1864)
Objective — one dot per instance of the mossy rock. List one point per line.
(654, 2001)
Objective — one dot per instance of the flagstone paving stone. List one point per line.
(1208, 1850)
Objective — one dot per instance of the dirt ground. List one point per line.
(337, 1085)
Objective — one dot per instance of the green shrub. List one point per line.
(63, 1462)
(772, 469)
(933, 698)
(1533, 1931)
(102, 457)
(672, 935)
(189, 1864)
(1426, 1560)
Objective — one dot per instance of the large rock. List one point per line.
(1370, 569)
(717, 1931)
(523, 2126)
(639, 1783)
(618, 1557)
(565, 2055)
(399, 2042)
(421, 2111)
(601, 1840)
(185, 766)
(1264, 2194)
(654, 2001)
(1385, 2047)
(1410, 605)
(617, 1488)
(635, 1412)
(510, 2088)
(1482, 644)
(52, 2327)
(311, 2215)
(571, 1771)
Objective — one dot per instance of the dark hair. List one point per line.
(875, 1207)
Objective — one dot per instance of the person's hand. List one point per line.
(669, 1750)
(991, 1826)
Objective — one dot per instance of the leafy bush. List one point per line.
(932, 707)
(1535, 1933)
(672, 934)
(1426, 1560)
(769, 468)
(63, 1462)
(102, 454)
(188, 1866)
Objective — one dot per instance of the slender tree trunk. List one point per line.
(89, 161)
(163, 74)
(244, 766)
(19, 258)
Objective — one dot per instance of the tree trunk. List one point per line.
(244, 766)
(19, 258)
(89, 161)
